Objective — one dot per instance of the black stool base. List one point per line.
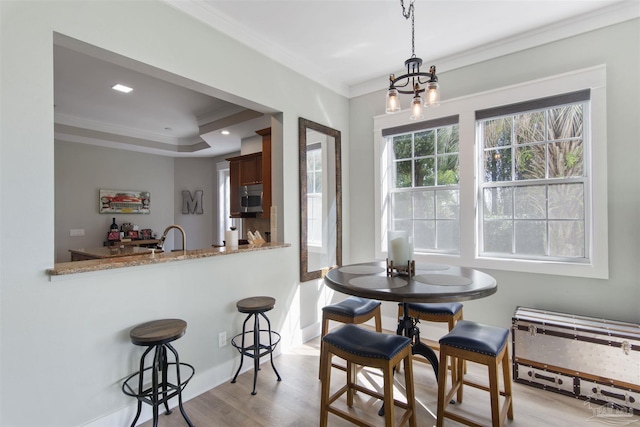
(161, 389)
(257, 350)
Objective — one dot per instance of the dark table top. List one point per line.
(431, 283)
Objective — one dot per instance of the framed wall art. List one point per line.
(125, 201)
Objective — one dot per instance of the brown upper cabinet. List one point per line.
(251, 169)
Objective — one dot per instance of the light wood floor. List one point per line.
(296, 400)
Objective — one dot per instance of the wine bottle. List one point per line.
(114, 226)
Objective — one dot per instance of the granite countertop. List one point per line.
(112, 251)
(127, 260)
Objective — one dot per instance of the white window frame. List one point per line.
(224, 222)
(593, 78)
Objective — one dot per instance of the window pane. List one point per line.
(317, 182)
(498, 236)
(498, 202)
(403, 225)
(401, 205)
(529, 127)
(565, 159)
(566, 201)
(425, 143)
(403, 174)
(448, 139)
(448, 235)
(531, 162)
(448, 171)
(425, 172)
(565, 122)
(402, 146)
(566, 238)
(531, 202)
(425, 235)
(448, 206)
(497, 132)
(531, 237)
(423, 205)
(497, 165)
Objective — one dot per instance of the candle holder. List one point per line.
(401, 270)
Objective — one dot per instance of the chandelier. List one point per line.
(414, 82)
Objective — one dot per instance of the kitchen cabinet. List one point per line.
(251, 169)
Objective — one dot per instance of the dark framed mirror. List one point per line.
(320, 199)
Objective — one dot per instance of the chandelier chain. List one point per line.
(409, 13)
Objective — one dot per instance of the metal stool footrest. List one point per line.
(147, 394)
(250, 350)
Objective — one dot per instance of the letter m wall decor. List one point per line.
(191, 204)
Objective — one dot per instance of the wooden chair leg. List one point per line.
(388, 395)
(506, 375)
(442, 388)
(351, 380)
(410, 390)
(378, 319)
(325, 372)
(494, 391)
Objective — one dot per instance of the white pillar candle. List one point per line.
(231, 239)
(399, 248)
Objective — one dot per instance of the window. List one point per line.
(514, 178)
(314, 195)
(224, 221)
(533, 180)
(424, 176)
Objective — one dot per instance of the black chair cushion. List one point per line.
(476, 337)
(352, 306)
(363, 342)
(444, 309)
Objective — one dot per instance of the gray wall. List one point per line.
(71, 333)
(192, 175)
(617, 298)
(82, 170)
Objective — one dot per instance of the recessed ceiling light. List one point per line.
(225, 132)
(122, 88)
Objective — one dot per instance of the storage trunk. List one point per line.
(592, 359)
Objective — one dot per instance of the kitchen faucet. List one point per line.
(166, 231)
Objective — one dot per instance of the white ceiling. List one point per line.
(349, 46)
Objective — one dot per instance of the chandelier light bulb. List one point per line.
(416, 108)
(433, 95)
(393, 102)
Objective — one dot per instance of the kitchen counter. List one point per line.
(131, 260)
(107, 252)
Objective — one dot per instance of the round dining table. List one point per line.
(431, 283)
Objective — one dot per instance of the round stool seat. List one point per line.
(362, 342)
(352, 307)
(158, 332)
(444, 309)
(255, 304)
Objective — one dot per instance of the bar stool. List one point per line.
(359, 346)
(483, 344)
(157, 336)
(255, 307)
(449, 312)
(354, 310)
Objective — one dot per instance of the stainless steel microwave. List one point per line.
(251, 198)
